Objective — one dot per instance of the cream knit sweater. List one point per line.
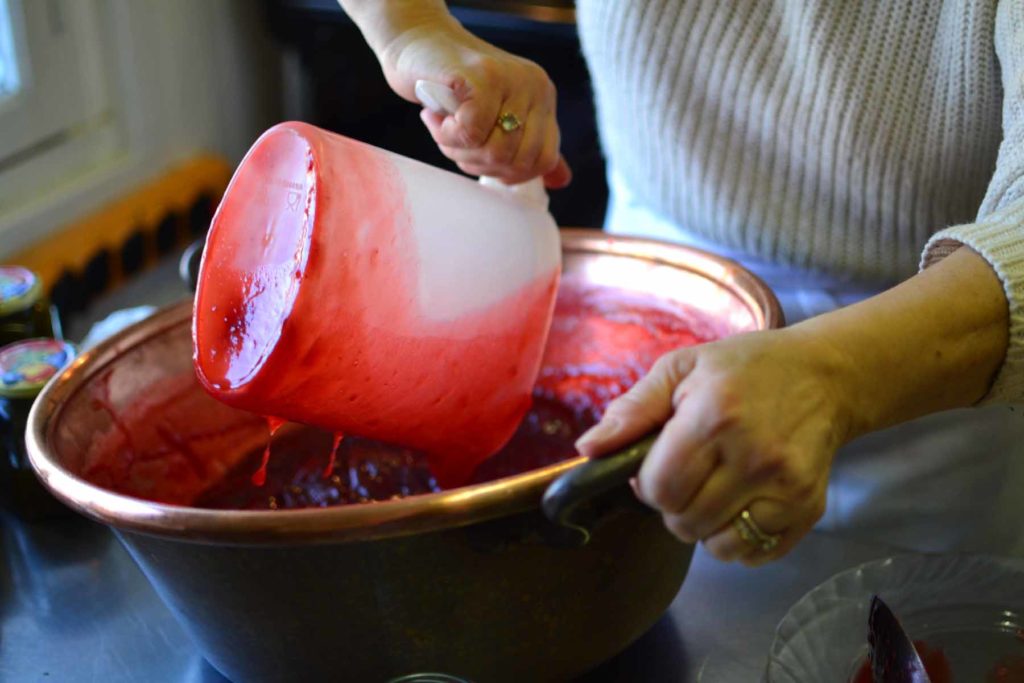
(844, 136)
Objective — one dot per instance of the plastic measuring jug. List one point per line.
(350, 288)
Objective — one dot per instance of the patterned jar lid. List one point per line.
(26, 366)
(19, 289)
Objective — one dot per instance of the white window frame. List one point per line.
(168, 79)
(9, 49)
(61, 124)
(61, 84)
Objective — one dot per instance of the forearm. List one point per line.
(381, 21)
(932, 343)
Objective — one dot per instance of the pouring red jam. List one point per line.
(602, 340)
(346, 287)
(176, 445)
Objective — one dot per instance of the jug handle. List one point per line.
(566, 495)
(441, 99)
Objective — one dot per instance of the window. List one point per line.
(52, 60)
(56, 116)
(98, 95)
(9, 80)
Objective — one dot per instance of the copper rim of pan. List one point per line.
(369, 521)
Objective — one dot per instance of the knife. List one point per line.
(893, 656)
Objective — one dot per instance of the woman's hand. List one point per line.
(488, 82)
(420, 41)
(750, 423)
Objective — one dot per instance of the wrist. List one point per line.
(932, 343)
(384, 23)
(838, 373)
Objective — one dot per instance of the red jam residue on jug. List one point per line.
(251, 282)
(306, 309)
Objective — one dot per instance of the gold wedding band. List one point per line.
(750, 532)
(509, 122)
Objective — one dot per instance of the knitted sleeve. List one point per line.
(998, 231)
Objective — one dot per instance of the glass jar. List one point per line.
(25, 368)
(24, 309)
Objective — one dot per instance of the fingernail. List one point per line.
(602, 431)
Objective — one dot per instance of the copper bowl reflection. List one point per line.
(471, 581)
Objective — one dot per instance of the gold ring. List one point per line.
(509, 122)
(750, 532)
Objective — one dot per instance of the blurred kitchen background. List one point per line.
(121, 120)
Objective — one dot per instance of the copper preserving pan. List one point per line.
(473, 581)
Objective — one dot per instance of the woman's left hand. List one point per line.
(750, 423)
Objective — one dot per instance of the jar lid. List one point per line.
(19, 289)
(26, 366)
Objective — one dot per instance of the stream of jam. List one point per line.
(367, 470)
(602, 341)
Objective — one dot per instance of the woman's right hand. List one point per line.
(488, 82)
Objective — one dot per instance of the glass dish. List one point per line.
(970, 606)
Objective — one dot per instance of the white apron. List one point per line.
(953, 481)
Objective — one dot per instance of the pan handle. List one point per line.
(565, 496)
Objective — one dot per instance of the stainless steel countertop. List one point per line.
(74, 607)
